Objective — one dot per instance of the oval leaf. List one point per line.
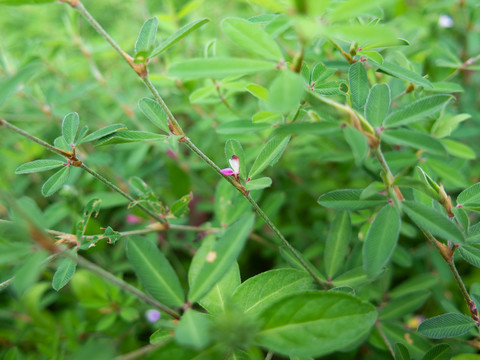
(337, 244)
(470, 196)
(269, 154)
(446, 326)
(55, 182)
(154, 112)
(471, 254)
(221, 258)
(315, 324)
(64, 273)
(433, 221)
(261, 291)
(286, 92)
(378, 104)
(107, 130)
(252, 38)
(70, 127)
(154, 271)
(146, 37)
(417, 110)
(193, 330)
(37, 166)
(416, 139)
(219, 68)
(128, 136)
(401, 73)
(258, 184)
(358, 83)
(179, 35)
(350, 199)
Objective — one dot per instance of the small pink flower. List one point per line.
(235, 167)
(132, 219)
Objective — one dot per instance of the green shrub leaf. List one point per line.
(218, 68)
(146, 37)
(154, 271)
(252, 38)
(262, 290)
(70, 127)
(337, 244)
(154, 112)
(378, 104)
(415, 139)
(269, 155)
(65, 271)
(381, 240)
(258, 184)
(286, 92)
(446, 326)
(37, 166)
(179, 35)
(401, 73)
(358, 84)
(315, 323)
(350, 199)
(107, 130)
(193, 330)
(417, 110)
(55, 182)
(433, 221)
(221, 257)
(129, 136)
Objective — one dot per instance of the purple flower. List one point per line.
(235, 167)
(152, 315)
(132, 219)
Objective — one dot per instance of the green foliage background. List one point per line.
(80, 72)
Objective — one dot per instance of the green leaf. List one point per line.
(219, 68)
(286, 92)
(37, 166)
(129, 136)
(447, 123)
(193, 330)
(415, 139)
(358, 84)
(306, 128)
(378, 104)
(335, 87)
(401, 352)
(358, 144)
(70, 127)
(459, 149)
(439, 352)
(25, 2)
(154, 112)
(321, 73)
(154, 271)
(146, 37)
(470, 197)
(336, 247)
(349, 199)
(179, 35)
(433, 221)
(64, 273)
(9, 86)
(267, 116)
(258, 184)
(241, 127)
(160, 336)
(27, 274)
(269, 154)
(315, 323)
(404, 305)
(55, 182)
(471, 254)
(354, 277)
(217, 300)
(221, 258)
(446, 326)
(233, 147)
(260, 291)
(417, 110)
(381, 240)
(401, 73)
(107, 130)
(417, 283)
(252, 38)
(352, 8)
(258, 91)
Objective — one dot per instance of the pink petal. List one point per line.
(132, 219)
(227, 171)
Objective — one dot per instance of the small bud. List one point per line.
(152, 315)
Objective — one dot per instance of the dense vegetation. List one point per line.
(239, 180)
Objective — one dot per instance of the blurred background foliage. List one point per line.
(80, 72)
